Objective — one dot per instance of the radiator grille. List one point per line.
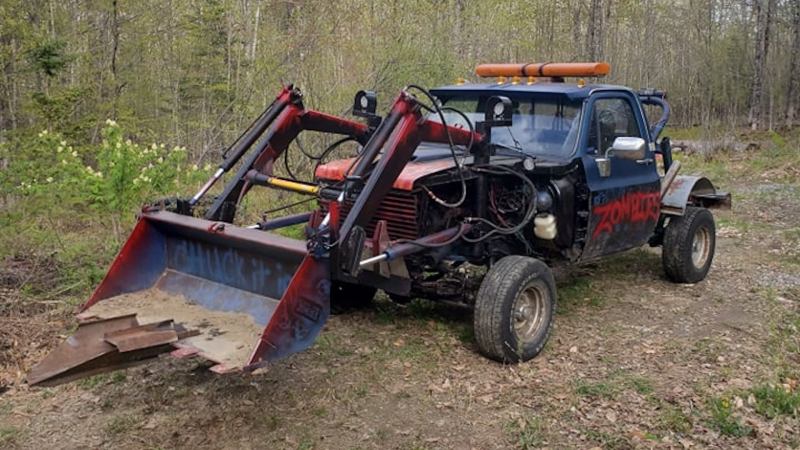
(398, 209)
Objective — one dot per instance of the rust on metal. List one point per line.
(150, 335)
(104, 345)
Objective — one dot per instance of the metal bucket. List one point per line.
(236, 296)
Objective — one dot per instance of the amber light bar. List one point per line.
(585, 69)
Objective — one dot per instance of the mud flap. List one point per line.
(248, 296)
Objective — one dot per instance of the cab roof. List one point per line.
(572, 90)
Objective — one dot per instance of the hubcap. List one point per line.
(529, 313)
(701, 245)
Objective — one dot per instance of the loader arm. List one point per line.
(287, 117)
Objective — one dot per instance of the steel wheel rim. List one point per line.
(701, 247)
(528, 313)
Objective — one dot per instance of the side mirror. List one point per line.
(633, 148)
(628, 148)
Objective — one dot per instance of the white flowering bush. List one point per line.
(117, 176)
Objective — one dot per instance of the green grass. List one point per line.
(615, 383)
(577, 292)
(8, 436)
(774, 160)
(641, 385)
(773, 401)
(602, 389)
(722, 419)
(102, 379)
(294, 231)
(673, 419)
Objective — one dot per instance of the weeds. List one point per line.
(773, 401)
(723, 419)
(121, 424)
(529, 433)
(674, 419)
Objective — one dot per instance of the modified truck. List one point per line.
(465, 194)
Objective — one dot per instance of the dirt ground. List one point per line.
(634, 362)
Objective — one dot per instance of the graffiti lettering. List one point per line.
(634, 207)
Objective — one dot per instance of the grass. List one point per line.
(8, 436)
(641, 385)
(102, 379)
(773, 401)
(609, 440)
(603, 389)
(576, 292)
(612, 385)
(528, 433)
(121, 424)
(674, 419)
(774, 161)
(723, 420)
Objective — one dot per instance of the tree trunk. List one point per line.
(576, 26)
(594, 33)
(764, 13)
(114, 50)
(793, 89)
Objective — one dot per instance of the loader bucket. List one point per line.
(235, 296)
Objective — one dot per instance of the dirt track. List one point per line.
(634, 361)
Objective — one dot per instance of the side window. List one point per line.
(611, 118)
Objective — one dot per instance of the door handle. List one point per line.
(645, 162)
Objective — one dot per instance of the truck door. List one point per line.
(624, 206)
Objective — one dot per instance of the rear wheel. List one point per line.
(347, 296)
(514, 309)
(689, 243)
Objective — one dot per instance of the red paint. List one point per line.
(335, 171)
(633, 207)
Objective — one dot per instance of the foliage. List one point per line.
(724, 420)
(76, 203)
(773, 401)
(49, 57)
(116, 176)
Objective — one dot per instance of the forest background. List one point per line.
(105, 104)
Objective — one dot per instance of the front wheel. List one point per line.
(689, 244)
(514, 309)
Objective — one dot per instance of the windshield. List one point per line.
(546, 125)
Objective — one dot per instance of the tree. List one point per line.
(764, 12)
(594, 33)
(793, 85)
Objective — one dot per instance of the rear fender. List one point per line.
(692, 190)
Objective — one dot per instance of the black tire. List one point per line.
(347, 296)
(689, 243)
(515, 291)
